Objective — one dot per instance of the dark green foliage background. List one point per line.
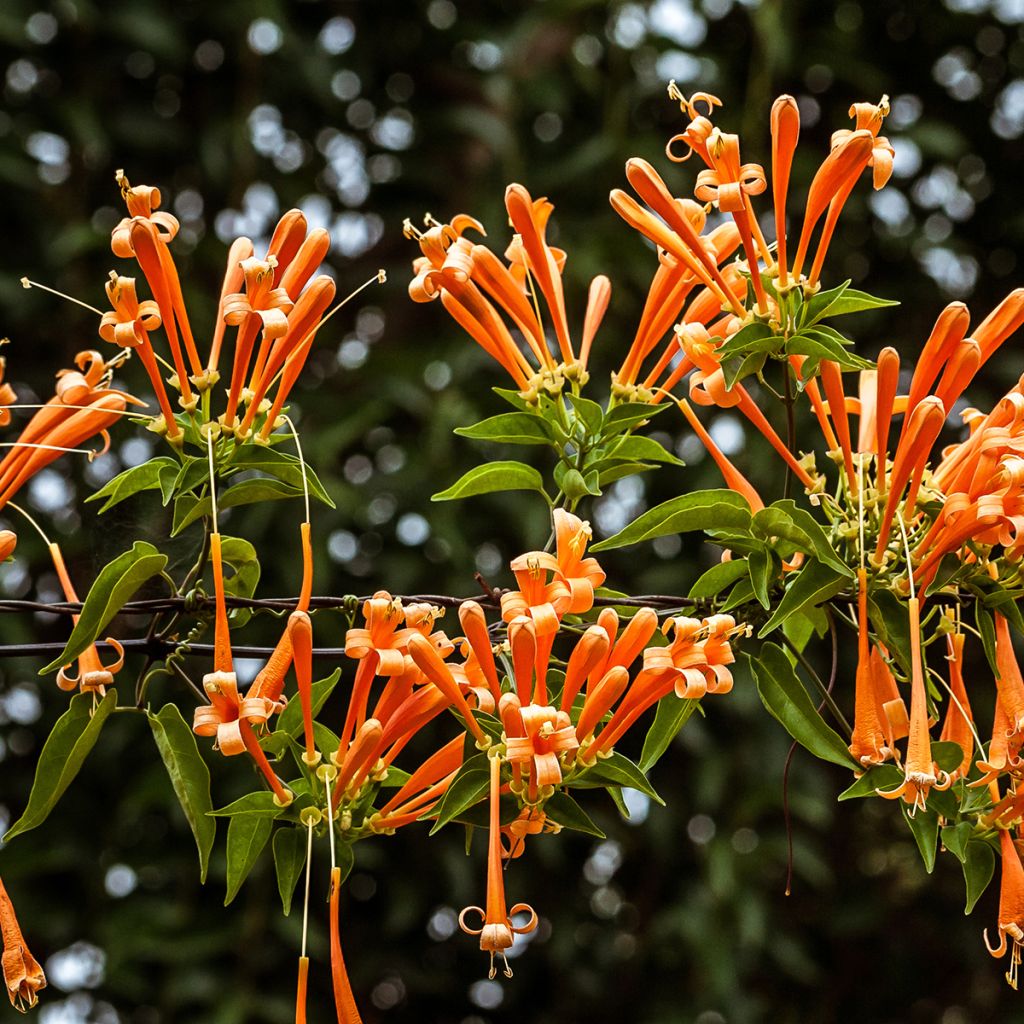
(693, 925)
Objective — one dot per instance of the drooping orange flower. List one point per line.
(535, 737)
(541, 598)
(920, 773)
(22, 974)
(1011, 907)
(497, 930)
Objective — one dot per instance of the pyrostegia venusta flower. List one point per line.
(1011, 907)
(497, 929)
(22, 974)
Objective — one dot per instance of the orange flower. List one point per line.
(535, 738)
(22, 974)
(1011, 907)
(920, 773)
(538, 599)
(581, 575)
(958, 726)
(496, 931)
(93, 676)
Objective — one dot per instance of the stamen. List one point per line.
(326, 773)
(310, 816)
(89, 452)
(39, 529)
(213, 479)
(302, 462)
(26, 283)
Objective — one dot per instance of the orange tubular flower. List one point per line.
(958, 726)
(542, 601)
(1011, 907)
(22, 974)
(1009, 683)
(581, 575)
(474, 625)
(921, 774)
(8, 542)
(541, 735)
(300, 630)
(228, 715)
(590, 651)
(430, 663)
(496, 931)
(785, 122)
(868, 742)
(93, 676)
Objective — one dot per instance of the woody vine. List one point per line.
(499, 725)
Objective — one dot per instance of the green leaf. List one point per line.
(819, 344)
(813, 585)
(247, 835)
(802, 530)
(924, 825)
(671, 715)
(629, 414)
(639, 449)
(289, 848)
(145, 477)
(763, 571)
(283, 467)
(739, 367)
(947, 755)
(616, 770)
(189, 776)
(289, 722)
(561, 808)
(510, 428)
(261, 803)
(979, 866)
(717, 578)
(755, 337)
(699, 510)
(884, 777)
(589, 413)
(469, 787)
(187, 509)
(891, 620)
(513, 398)
(493, 476)
(817, 306)
(609, 470)
(955, 839)
(116, 584)
(784, 696)
(66, 748)
(853, 301)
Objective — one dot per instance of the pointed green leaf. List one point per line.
(820, 546)
(261, 804)
(289, 849)
(639, 449)
(469, 787)
(853, 301)
(289, 722)
(145, 477)
(884, 777)
(924, 825)
(784, 696)
(671, 715)
(493, 476)
(699, 510)
(189, 776)
(589, 413)
(285, 468)
(116, 584)
(616, 770)
(66, 748)
(817, 306)
(563, 810)
(510, 428)
(979, 867)
(247, 836)
(763, 571)
(717, 578)
(812, 586)
(955, 838)
(628, 415)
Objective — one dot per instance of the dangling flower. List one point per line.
(497, 931)
(540, 735)
(1011, 907)
(22, 974)
(538, 599)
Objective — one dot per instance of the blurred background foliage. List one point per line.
(361, 114)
